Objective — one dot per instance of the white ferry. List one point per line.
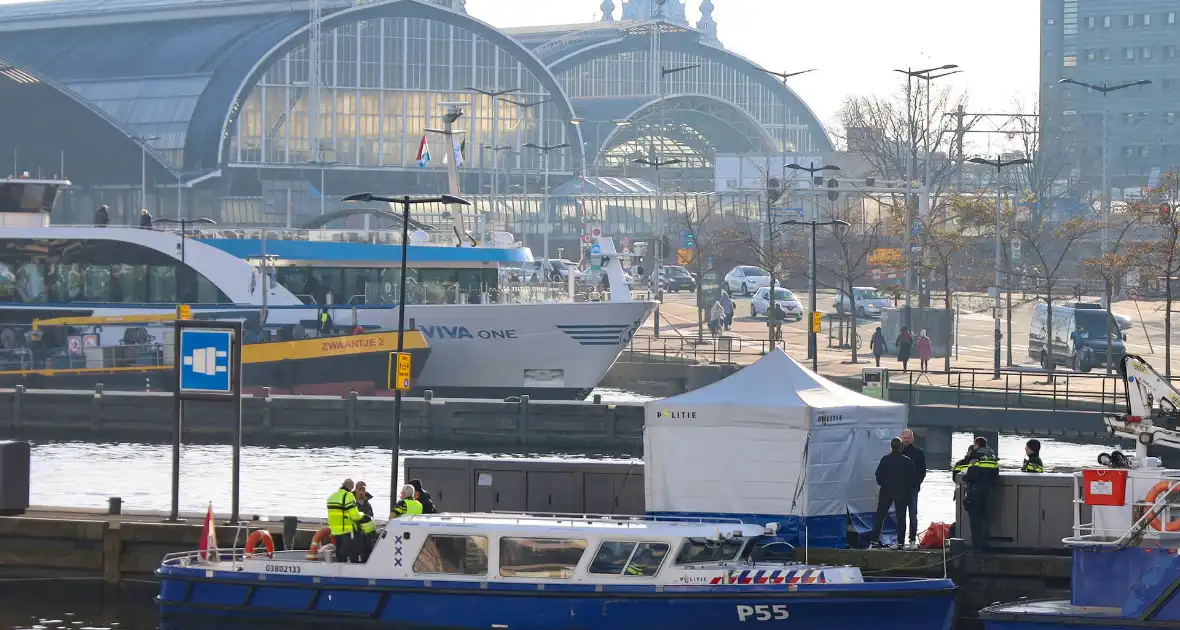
(489, 337)
(551, 573)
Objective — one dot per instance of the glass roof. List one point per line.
(605, 185)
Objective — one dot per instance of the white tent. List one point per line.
(774, 442)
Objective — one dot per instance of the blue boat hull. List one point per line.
(885, 605)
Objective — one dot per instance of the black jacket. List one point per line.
(896, 475)
(919, 458)
(362, 504)
(427, 503)
(981, 475)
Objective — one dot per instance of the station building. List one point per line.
(211, 107)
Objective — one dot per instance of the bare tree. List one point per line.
(1050, 247)
(1162, 253)
(1051, 174)
(700, 221)
(846, 251)
(771, 247)
(1122, 254)
(951, 228)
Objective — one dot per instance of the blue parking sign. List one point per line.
(206, 361)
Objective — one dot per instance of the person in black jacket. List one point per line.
(896, 475)
(1032, 458)
(423, 497)
(916, 455)
(368, 527)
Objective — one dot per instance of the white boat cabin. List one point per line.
(531, 549)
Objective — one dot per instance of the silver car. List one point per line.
(783, 298)
(746, 280)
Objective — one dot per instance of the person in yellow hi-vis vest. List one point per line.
(344, 520)
(406, 504)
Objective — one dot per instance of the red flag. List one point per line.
(208, 546)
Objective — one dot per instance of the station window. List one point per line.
(540, 557)
(453, 555)
(629, 559)
(700, 550)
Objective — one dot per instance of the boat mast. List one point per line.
(454, 112)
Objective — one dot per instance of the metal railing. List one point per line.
(1154, 515)
(1031, 388)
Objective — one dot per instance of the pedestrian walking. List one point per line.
(878, 346)
(727, 304)
(905, 345)
(145, 219)
(102, 216)
(925, 350)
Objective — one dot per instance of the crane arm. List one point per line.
(1153, 407)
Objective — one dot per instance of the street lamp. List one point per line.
(184, 223)
(495, 96)
(1105, 89)
(524, 105)
(998, 164)
(782, 77)
(811, 334)
(927, 75)
(143, 140)
(406, 202)
(812, 338)
(545, 203)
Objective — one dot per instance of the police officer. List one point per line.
(406, 504)
(325, 323)
(961, 465)
(344, 519)
(368, 525)
(1032, 458)
(980, 477)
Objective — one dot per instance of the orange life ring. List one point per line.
(323, 536)
(260, 536)
(1152, 495)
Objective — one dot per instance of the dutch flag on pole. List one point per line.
(423, 153)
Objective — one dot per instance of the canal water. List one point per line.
(278, 482)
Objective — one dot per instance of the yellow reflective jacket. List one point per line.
(342, 513)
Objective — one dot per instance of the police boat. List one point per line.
(1126, 571)
(554, 572)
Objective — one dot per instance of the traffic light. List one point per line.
(833, 189)
(1165, 213)
(690, 240)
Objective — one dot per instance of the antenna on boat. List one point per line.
(454, 113)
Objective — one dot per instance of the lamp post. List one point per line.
(911, 169)
(323, 164)
(1105, 89)
(406, 201)
(495, 96)
(999, 165)
(545, 203)
(811, 334)
(658, 256)
(782, 77)
(143, 140)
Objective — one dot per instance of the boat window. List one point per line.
(700, 550)
(456, 555)
(629, 559)
(540, 557)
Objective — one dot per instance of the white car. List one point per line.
(869, 302)
(783, 299)
(746, 280)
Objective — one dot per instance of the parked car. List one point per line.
(869, 302)
(675, 278)
(559, 269)
(1057, 346)
(592, 277)
(746, 280)
(1124, 322)
(787, 304)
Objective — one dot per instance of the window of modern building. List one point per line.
(540, 557)
(1128, 152)
(1169, 118)
(1169, 85)
(1127, 118)
(1129, 19)
(1090, 54)
(1146, 19)
(1145, 52)
(456, 555)
(1170, 52)
(1105, 54)
(1171, 17)
(1129, 54)
(1168, 150)
(1106, 21)
(1090, 22)
(1144, 151)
